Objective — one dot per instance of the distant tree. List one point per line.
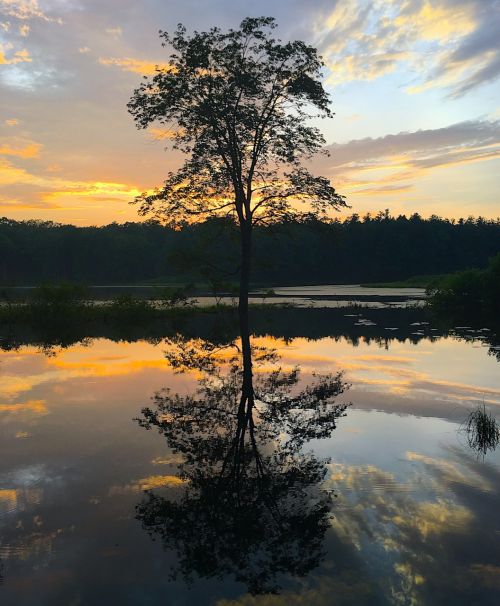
(332, 252)
(237, 104)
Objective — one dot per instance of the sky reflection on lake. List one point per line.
(415, 511)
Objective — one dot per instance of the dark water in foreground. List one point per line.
(385, 505)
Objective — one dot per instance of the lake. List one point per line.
(324, 296)
(373, 497)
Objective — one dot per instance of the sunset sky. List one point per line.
(415, 86)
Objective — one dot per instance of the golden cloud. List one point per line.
(20, 56)
(392, 164)
(432, 518)
(162, 134)
(20, 149)
(37, 406)
(137, 66)
(449, 473)
(53, 189)
(147, 484)
(364, 41)
(25, 9)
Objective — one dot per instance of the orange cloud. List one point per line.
(137, 66)
(36, 406)
(30, 150)
(147, 484)
(53, 189)
(393, 164)
(21, 56)
(161, 134)
(97, 189)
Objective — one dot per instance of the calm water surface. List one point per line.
(414, 515)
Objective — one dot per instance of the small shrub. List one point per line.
(174, 297)
(267, 293)
(59, 296)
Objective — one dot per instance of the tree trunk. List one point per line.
(246, 257)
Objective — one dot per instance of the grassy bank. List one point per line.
(469, 295)
(414, 282)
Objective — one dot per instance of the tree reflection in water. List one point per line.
(252, 506)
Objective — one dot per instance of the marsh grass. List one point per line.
(482, 430)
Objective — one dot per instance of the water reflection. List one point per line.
(252, 505)
(482, 431)
(416, 514)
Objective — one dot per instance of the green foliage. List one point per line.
(219, 287)
(237, 103)
(471, 292)
(413, 282)
(54, 301)
(127, 309)
(269, 292)
(170, 296)
(60, 295)
(365, 250)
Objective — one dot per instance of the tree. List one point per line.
(237, 104)
(251, 504)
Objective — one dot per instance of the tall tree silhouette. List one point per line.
(252, 506)
(237, 103)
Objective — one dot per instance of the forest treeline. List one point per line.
(354, 250)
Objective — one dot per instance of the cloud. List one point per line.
(20, 56)
(35, 406)
(19, 148)
(114, 31)
(9, 203)
(449, 44)
(147, 484)
(450, 473)
(413, 531)
(25, 9)
(80, 76)
(52, 191)
(384, 190)
(391, 164)
(12, 122)
(162, 134)
(128, 64)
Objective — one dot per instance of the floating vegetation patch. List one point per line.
(482, 430)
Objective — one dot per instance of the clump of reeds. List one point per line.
(482, 430)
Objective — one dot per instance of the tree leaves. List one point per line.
(238, 104)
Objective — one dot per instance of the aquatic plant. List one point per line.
(482, 430)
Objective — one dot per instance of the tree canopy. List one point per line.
(237, 103)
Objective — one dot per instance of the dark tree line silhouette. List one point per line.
(356, 249)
